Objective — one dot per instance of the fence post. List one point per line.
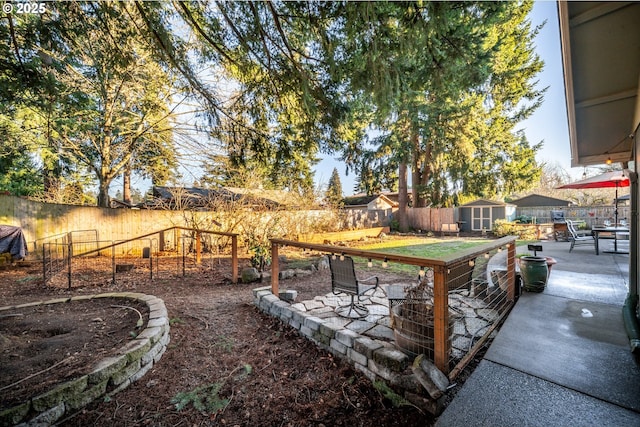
(234, 259)
(150, 259)
(69, 249)
(441, 319)
(183, 260)
(198, 248)
(511, 271)
(44, 265)
(275, 269)
(113, 262)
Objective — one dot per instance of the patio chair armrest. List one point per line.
(369, 279)
(368, 285)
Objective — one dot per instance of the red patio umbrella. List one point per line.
(606, 180)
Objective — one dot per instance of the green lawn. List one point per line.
(424, 247)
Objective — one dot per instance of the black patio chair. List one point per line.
(344, 280)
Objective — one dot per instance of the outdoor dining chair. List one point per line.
(344, 280)
(579, 239)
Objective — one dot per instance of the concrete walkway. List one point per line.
(562, 357)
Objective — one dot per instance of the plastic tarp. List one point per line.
(12, 240)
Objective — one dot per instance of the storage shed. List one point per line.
(481, 214)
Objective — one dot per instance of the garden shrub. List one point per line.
(503, 228)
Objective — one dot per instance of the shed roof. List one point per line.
(485, 202)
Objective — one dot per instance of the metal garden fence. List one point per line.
(182, 251)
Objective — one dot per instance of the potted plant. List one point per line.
(534, 272)
(551, 261)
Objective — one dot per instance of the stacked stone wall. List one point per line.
(106, 378)
(377, 360)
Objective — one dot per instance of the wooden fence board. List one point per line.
(430, 219)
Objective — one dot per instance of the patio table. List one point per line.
(613, 230)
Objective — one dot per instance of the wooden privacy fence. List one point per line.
(591, 215)
(42, 222)
(431, 219)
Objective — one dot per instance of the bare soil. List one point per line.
(227, 364)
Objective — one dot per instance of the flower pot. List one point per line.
(534, 272)
(550, 263)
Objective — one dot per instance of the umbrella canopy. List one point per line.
(605, 180)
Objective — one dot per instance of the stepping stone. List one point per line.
(381, 310)
(299, 306)
(381, 332)
(322, 310)
(312, 305)
(360, 326)
(474, 325)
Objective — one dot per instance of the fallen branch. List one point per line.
(36, 374)
(12, 315)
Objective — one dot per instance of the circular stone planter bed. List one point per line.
(133, 355)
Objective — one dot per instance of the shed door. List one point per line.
(481, 218)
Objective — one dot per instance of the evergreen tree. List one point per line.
(447, 83)
(333, 195)
(98, 99)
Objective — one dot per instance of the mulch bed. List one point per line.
(227, 363)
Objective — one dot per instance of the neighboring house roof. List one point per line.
(194, 197)
(280, 197)
(115, 203)
(359, 199)
(539, 200)
(371, 201)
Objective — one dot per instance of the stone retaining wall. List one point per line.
(379, 361)
(107, 377)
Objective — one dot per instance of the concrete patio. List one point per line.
(562, 357)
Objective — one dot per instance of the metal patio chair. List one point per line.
(577, 238)
(344, 280)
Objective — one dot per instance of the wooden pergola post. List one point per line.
(441, 319)
(511, 271)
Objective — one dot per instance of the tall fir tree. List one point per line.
(333, 195)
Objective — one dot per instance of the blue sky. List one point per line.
(548, 123)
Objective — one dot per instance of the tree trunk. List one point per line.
(103, 194)
(416, 200)
(422, 164)
(52, 171)
(126, 185)
(403, 199)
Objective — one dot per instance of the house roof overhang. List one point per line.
(601, 58)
